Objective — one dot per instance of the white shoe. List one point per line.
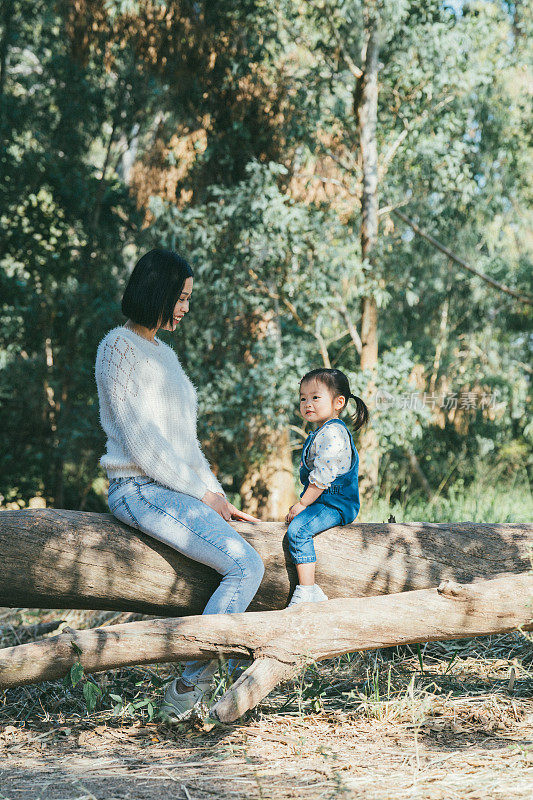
(319, 594)
(177, 706)
(307, 594)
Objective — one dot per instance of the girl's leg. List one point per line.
(198, 532)
(300, 533)
(314, 519)
(306, 573)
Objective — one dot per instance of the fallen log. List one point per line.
(281, 641)
(55, 558)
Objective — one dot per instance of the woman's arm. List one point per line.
(134, 402)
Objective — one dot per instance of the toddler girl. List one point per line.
(329, 471)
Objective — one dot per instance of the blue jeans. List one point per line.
(197, 531)
(314, 519)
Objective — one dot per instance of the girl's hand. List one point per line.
(294, 510)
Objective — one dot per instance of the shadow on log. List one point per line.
(54, 558)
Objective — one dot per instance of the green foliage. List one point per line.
(76, 673)
(275, 274)
(62, 237)
(494, 492)
(266, 269)
(92, 693)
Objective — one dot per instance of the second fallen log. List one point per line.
(282, 641)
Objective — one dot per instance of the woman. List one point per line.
(159, 479)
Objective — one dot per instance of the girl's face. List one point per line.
(181, 307)
(317, 403)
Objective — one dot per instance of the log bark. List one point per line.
(53, 558)
(281, 642)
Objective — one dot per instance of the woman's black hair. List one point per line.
(154, 288)
(339, 386)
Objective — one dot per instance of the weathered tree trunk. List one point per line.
(442, 334)
(267, 491)
(53, 558)
(417, 469)
(281, 642)
(367, 110)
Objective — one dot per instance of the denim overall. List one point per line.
(343, 493)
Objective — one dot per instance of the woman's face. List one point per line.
(181, 307)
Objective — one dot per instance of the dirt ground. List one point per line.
(442, 721)
(319, 756)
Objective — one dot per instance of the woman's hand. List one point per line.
(297, 508)
(241, 515)
(218, 502)
(236, 514)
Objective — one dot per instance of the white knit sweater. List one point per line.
(148, 409)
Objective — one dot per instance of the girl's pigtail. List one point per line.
(361, 415)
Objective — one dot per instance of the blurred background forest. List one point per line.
(298, 154)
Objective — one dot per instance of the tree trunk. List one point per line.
(368, 439)
(54, 477)
(452, 611)
(267, 491)
(417, 469)
(53, 558)
(281, 642)
(441, 340)
(367, 120)
(442, 337)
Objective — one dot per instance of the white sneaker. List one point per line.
(177, 706)
(319, 594)
(307, 594)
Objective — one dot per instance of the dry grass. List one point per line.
(447, 720)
